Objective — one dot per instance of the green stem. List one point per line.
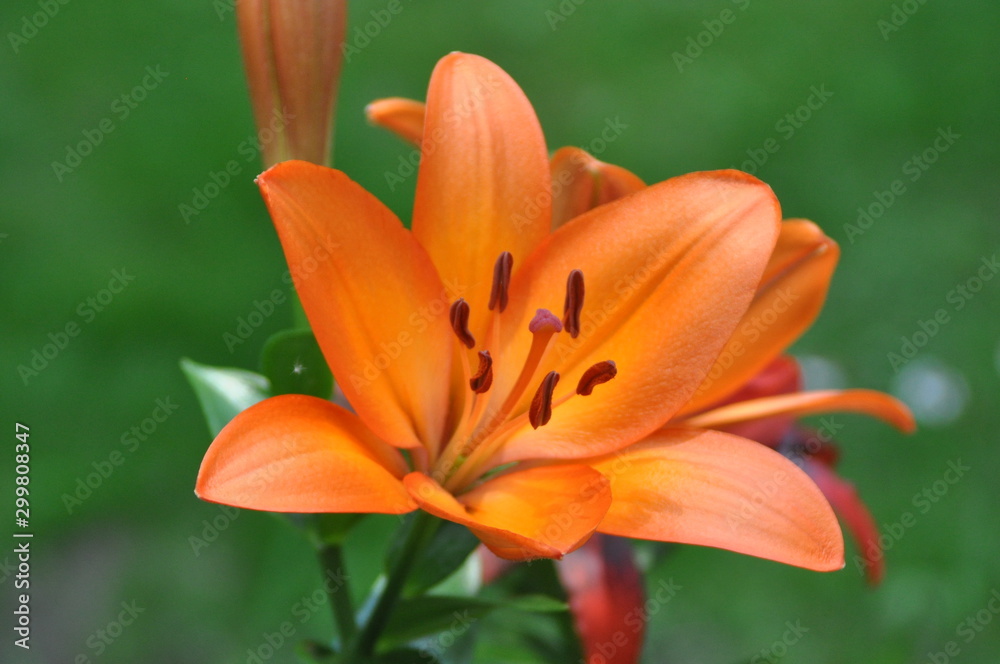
(331, 560)
(423, 528)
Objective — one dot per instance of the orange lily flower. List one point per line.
(514, 379)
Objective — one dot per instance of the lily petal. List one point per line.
(542, 512)
(669, 272)
(606, 595)
(403, 117)
(484, 185)
(849, 507)
(790, 296)
(714, 489)
(373, 298)
(580, 183)
(868, 402)
(295, 453)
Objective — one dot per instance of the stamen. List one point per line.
(501, 281)
(541, 405)
(574, 303)
(460, 322)
(484, 375)
(601, 372)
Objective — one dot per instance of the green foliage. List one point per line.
(224, 392)
(294, 364)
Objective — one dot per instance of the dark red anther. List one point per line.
(540, 411)
(484, 374)
(574, 303)
(501, 281)
(460, 322)
(601, 372)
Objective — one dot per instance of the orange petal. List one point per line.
(483, 186)
(543, 512)
(790, 296)
(373, 298)
(668, 273)
(713, 489)
(868, 402)
(295, 453)
(580, 183)
(403, 117)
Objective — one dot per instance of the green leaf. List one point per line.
(435, 614)
(451, 545)
(294, 364)
(224, 392)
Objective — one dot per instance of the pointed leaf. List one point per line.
(224, 392)
(446, 552)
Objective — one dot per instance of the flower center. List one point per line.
(481, 428)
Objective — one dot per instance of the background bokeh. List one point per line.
(583, 63)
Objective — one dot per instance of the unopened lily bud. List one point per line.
(292, 55)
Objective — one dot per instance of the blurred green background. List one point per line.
(63, 235)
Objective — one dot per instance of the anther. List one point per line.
(574, 303)
(540, 411)
(601, 372)
(501, 281)
(460, 322)
(484, 374)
